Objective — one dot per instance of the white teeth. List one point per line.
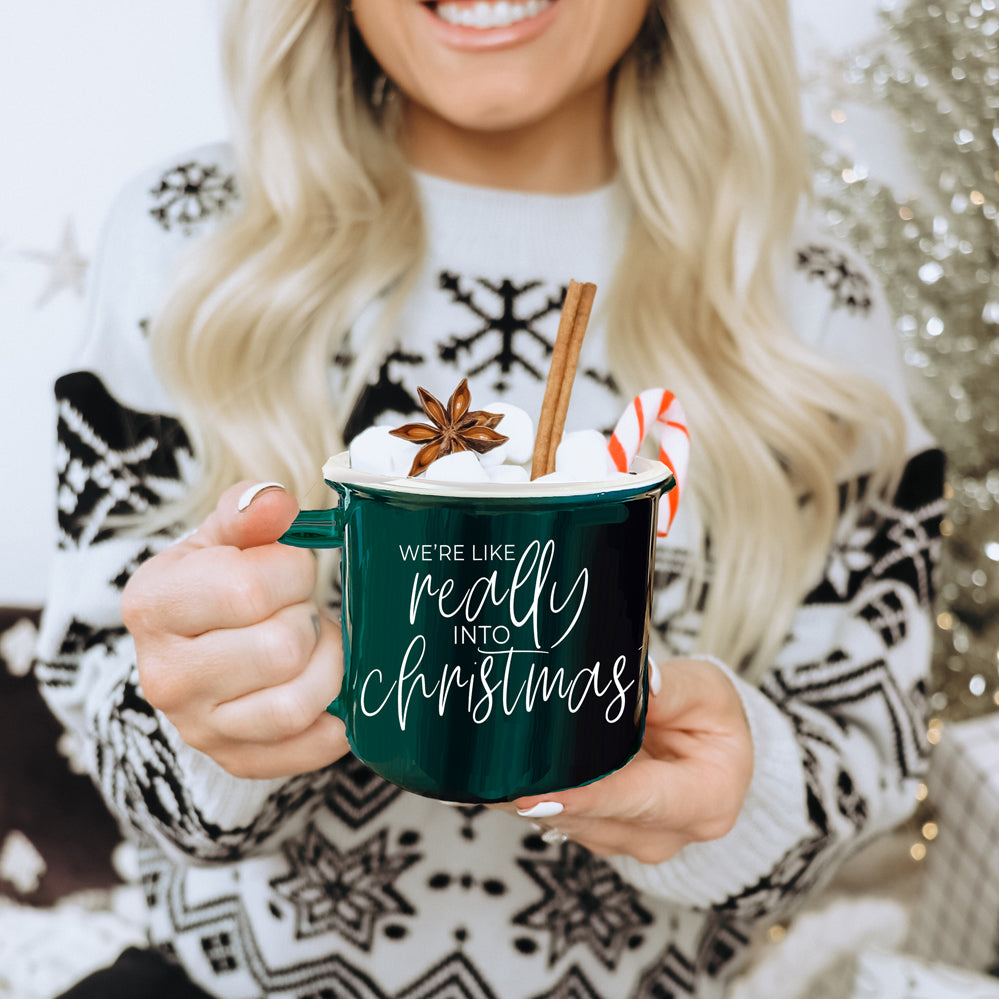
(490, 13)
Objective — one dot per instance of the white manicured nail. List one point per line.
(253, 492)
(655, 678)
(542, 810)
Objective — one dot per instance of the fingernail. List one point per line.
(542, 810)
(655, 678)
(253, 492)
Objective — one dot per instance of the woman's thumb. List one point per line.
(248, 515)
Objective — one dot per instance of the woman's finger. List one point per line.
(231, 662)
(694, 695)
(323, 743)
(197, 674)
(246, 516)
(697, 799)
(273, 713)
(207, 589)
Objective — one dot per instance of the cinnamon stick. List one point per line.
(558, 389)
(579, 324)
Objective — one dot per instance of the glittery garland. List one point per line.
(937, 71)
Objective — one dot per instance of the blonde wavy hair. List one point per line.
(710, 147)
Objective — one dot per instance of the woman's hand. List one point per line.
(686, 784)
(232, 648)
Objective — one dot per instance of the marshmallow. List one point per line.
(582, 457)
(555, 477)
(507, 473)
(376, 450)
(519, 427)
(463, 466)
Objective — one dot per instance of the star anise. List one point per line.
(452, 428)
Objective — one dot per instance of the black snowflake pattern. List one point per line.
(507, 324)
(141, 778)
(822, 690)
(670, 977)
(850, 558)
(887, 615)
(455, 976)
(490, 887)
(911, 549)
(469, 813)
(817, 699)
(128, 570)
(908, 548)
(356, 794)
(675, 974)
(154, 873)
(881, 539)
(850, 288)
(346, 893)
(220, 952)
(723, 941)
(805, 864)
(384, 395)
(190, 193)
(850, 801)
(583, 901)
(802, 867)
(111, 458)
(218, 923)
(573, 985)
(78, 639)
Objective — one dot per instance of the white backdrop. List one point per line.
(95, 90)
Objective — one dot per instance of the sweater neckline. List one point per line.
(470, 222)
(435, 186)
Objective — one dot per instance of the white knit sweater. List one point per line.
(338, 884)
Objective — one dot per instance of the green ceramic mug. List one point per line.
(495, 637)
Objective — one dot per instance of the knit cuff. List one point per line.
(222, 800)
(773, 818)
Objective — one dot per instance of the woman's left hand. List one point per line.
(685, 785)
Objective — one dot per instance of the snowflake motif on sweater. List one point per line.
(336, 883)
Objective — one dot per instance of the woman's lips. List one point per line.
(485, 14)
(489, 24)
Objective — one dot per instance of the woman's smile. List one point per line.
(487, 79)
(488, 24)
(485, 14)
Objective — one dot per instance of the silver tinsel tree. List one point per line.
(936, 69)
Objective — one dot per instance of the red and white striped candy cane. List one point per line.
(655, 411)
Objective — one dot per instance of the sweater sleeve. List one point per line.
(117, 459)
(838, 723)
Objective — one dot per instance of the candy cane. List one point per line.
(658, 411)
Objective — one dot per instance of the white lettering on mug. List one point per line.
(505, 677)
(488, 693)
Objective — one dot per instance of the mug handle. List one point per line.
(315, 529)
(318, 529)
